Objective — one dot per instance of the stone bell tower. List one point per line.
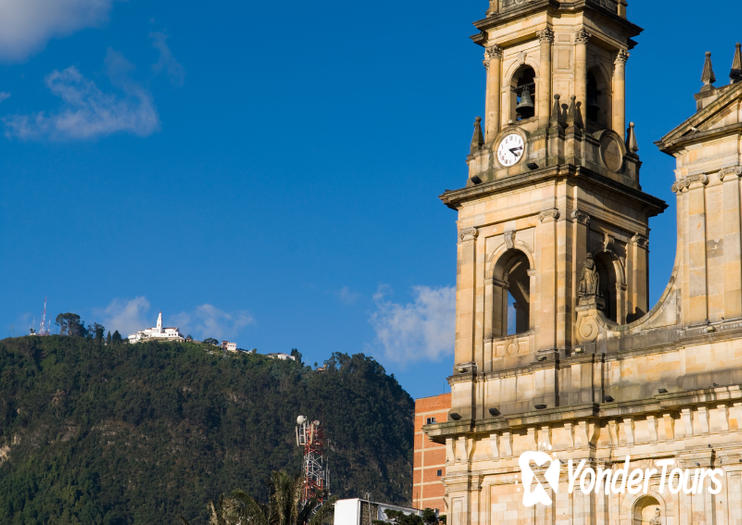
(553, 179)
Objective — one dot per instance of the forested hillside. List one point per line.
(146, 433)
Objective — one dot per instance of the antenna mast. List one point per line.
(43, 329)
(310, 437)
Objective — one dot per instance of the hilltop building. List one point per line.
(228, 346)
(429, 460)
(557, 352)
(157, 333)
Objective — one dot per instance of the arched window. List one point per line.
(607, 284)
(523, 93)
(598, 108)
(647, 511)
(512, 294)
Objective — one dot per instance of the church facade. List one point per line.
(557, 355)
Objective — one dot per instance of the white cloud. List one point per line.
(4, 95)
(347, 296)
(126, 316)
(167, 61)
(87, 112)
(423, 329)
(27, 25)
(209, 321)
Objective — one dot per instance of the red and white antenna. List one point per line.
(310, 437)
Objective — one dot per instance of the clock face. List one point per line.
(510, 150)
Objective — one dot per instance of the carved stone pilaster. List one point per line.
(640, 240)
(546, 35)
(548, 215)
(469, 234)
(733, 171)
(582, 36)
(581, 217)
(492, 52)
(622, 57)
(686, 182)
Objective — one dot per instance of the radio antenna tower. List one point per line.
(43, 329)
(310, 437)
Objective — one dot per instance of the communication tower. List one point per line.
(44, 328)
(310, 437)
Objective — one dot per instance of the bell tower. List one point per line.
(553, 181)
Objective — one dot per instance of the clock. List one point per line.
(511, 149)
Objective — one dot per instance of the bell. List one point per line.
(525, 108)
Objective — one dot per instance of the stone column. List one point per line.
(581, 39)
(619, 93)
(543, 93)
(639, 277)
(465, 296)
(493, 64)
(732, 236)
(545, 294)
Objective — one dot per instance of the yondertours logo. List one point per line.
(540, 471)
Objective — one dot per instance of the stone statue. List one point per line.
(657, 520)
(590, 280)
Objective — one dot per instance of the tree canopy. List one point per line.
(146, 433)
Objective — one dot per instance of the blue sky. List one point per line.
(269, 172)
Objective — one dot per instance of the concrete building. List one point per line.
(429, 462)
(228, 346)
(558, 357)
(157, 333)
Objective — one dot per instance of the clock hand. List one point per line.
(515, 151)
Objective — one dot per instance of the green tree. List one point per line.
(70, 324)
(211, 341)
(116, 338)
(98, 330)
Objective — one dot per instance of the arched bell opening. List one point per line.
(607, 289)
(598, 104)
(511, 294)
(523, 93)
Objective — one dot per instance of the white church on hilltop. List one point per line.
(157, 333)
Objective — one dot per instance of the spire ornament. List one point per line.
(735, 75)
(631, 143)
(707, 77)
(477, 140)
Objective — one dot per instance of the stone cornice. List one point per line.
(599, 414)
(455, 198)
(555, 7)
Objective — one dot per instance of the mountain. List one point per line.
(146, 433)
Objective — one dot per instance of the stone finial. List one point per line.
(631, 143)
(477, 140)
(735, 75)
(556, 111)
(708, 78)
(574, 113)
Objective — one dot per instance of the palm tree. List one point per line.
(285, 506)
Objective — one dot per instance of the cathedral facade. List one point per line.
(564, 377)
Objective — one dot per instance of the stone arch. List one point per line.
(647, 510)
(511, 293)
(611, 285)
(598, 106)
(521, 79)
